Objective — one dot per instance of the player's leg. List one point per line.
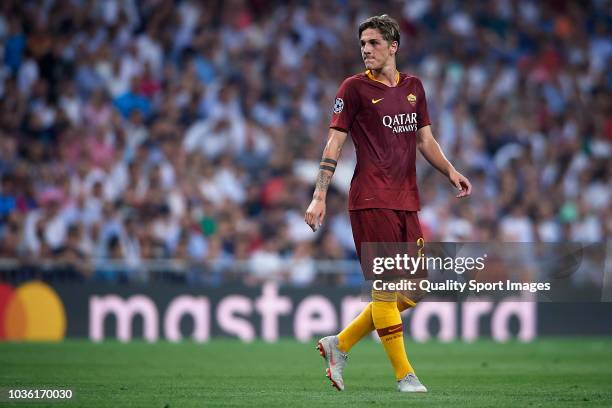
(331, 347)
(363, 325)
(335, 348)
(410, 382)
(365, 226)
(383, 226)
(388, 323)
(411, 234)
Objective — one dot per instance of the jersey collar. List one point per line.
(371, 76)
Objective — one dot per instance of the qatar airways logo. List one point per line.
(402, 122)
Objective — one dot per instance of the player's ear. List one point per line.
(393, 47)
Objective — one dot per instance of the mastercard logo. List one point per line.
(31, 312)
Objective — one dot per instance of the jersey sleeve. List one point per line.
(422, 112)
(345, 107)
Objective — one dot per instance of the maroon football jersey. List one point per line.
(382, 121)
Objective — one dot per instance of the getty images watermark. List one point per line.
(550, 272)
(460, 265)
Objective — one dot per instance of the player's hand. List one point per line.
(315, 214)
(461, 182)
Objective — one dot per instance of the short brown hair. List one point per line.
(387, 26)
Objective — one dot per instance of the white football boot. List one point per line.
(335, 359)
(410, 383)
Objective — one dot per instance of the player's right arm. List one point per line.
(315, 214)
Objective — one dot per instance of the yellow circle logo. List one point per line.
(32, 312)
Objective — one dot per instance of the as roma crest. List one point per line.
(412, 99)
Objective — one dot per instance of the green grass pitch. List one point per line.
(548, 372)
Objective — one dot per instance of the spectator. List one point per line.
(194, 131)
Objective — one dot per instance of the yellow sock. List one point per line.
(388, 323)
(356, 330)
(363, 325)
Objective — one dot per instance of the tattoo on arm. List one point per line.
(323, 180)
(328, 164)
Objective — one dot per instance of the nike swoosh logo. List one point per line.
(368, 199)
(332, 361)
(394, 330)
(375, 101)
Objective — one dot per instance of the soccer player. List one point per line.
(386, 113)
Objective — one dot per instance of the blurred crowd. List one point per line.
(158, 130)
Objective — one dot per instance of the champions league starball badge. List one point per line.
(338, 105)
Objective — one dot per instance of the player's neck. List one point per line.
(388, 75)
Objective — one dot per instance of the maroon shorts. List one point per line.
(394, 227)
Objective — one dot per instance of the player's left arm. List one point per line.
(431, 150)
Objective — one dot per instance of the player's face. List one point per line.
(375, 50)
